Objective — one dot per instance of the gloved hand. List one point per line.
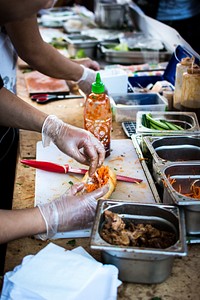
(70, 212)
(78, 143)
(86, 80)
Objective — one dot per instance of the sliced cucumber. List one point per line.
(171, 125)
(161, 125)
(149, 122)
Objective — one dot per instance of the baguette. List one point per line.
(102, 176)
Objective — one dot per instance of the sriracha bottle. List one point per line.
(98, 114)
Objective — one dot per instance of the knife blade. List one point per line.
(53, 167)
(44, 98)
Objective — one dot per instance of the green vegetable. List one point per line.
(121, 47)
(58, 43)
(149, 122)
(80, 53)
(172, 126)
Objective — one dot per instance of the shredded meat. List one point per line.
(116, 232)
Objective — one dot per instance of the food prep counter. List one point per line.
(185, 278)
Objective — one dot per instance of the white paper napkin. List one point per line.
(55, 273)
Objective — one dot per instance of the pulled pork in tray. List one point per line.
(116, 232)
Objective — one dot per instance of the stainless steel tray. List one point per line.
(169, 195)
(136, 264)
(184, 175)
(134, 57)
(174, 148)
(187, 120)
(81, 40)
(86, 45)
(167, 149)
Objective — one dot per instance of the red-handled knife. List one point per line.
(52, 167)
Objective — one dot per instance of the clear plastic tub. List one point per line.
(126, 106)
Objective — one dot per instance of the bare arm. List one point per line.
(14, 112)
(16, 224)
(30, 46)
(17, 113)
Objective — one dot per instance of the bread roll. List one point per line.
(102, 176)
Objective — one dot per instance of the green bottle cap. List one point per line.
(98, 86)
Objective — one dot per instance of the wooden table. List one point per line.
(184, 282)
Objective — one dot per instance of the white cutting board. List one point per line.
(123, 160)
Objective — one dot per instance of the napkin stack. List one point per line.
(54, 273)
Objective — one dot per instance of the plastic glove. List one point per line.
(86, 80)
(75, 142)
(70, 212)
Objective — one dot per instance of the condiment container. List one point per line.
(181, 67)
(98, 114)
(190, 92)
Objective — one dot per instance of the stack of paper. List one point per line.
(55, 273)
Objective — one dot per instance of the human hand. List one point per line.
(70, 212)
(88, 63)
(86, 80)
(78, 143)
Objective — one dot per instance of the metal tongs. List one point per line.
(44, 98)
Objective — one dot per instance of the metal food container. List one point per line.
(126, 106)
(171, 149)
(86, 44)
(110, 15)
(139, 264)
(183, 175)
(187, 120)
(131, 57)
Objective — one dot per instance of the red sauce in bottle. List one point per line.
(98, 114)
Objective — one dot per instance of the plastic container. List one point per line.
(115, 80)
(98, 114)
(126, 106)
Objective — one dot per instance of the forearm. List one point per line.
(16, 224)
(14, 112)
(40, 55)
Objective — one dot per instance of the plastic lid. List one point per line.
(98, 86)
